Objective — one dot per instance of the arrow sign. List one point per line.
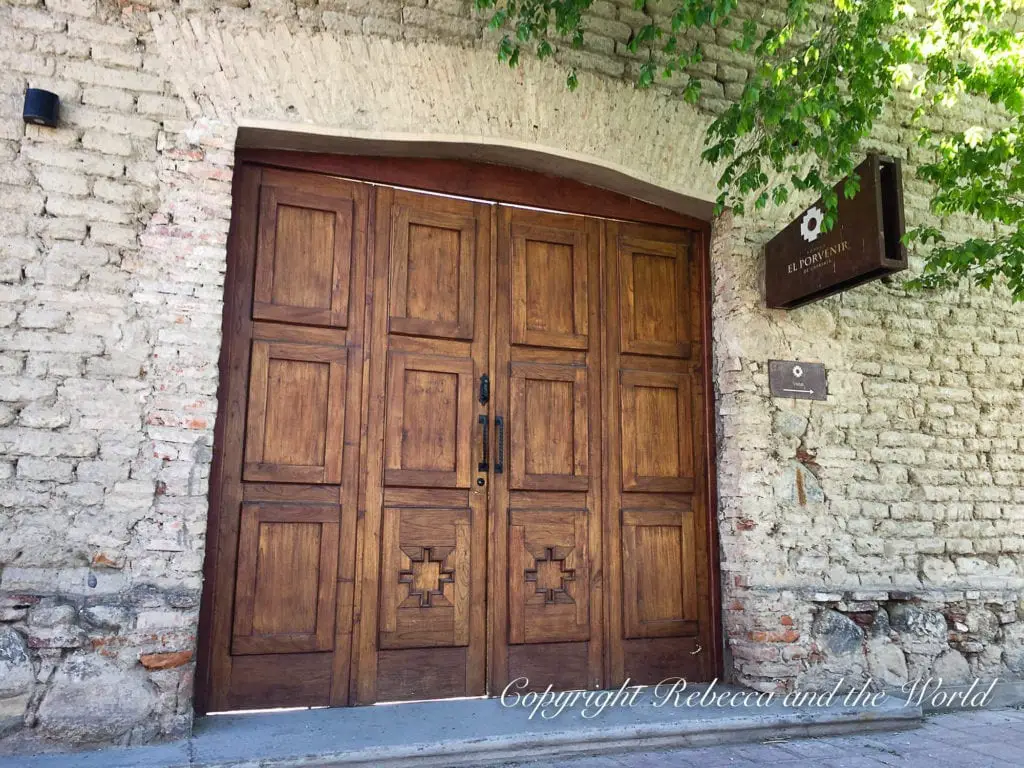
(797, 379)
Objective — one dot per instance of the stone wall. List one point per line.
(874, 534)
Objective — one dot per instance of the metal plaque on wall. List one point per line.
(802, 381)
(804, 264)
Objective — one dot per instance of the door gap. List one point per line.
(427, 701)
(271, 711)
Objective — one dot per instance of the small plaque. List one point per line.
(801, 381)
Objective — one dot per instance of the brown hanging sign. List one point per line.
(804, 264)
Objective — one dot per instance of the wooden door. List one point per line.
(422, 583)
(656, 494)
(387, 529)
(545, 593)
(285, 483)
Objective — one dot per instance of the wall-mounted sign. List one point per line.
(802, 381)
(804, 264)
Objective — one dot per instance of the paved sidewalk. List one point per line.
(979, 739)
(475, 732)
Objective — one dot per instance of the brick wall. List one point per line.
(900, 556)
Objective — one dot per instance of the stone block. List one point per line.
(1012, 642)
(108, 98)
(952, 667)
(102, 33)
(92, 700)
(75, 7)
(917, 625)
(94, 74)
(887, 663)
(30, 468)
(17, 676)
(74, 160)
(21, 390)
(106, 617)
(12, 713)
(837, 635)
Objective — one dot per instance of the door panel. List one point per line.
(304, 258)
(659, 573)
(549, 446)
(435, 673)
(428, 430)
(657, 439)
(421, 597)
(654, 288)
(549, 286)
(287, 565)
(425, 578)
(546, 510)
(659, 622)
(433, 250)
(296, 423)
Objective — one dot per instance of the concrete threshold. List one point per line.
(477, 732)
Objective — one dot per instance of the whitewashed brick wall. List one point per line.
(901, 557)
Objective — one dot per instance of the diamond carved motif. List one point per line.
(550, 577)
(426, 576)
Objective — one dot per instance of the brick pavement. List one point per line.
(981, 739)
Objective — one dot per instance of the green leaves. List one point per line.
(973, 53)
(819, 77)
(531, 23)
(691, 93)
(981, 261)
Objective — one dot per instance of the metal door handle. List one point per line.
(499, 448)
(482, 466)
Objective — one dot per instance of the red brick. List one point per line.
(153, 661)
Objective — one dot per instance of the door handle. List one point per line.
(499, 447)
(482, 466)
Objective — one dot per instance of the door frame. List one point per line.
(468, 179)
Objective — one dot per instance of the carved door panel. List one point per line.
(425, 567)
(422, 586)
(287, 469)
(656, 528)
(545, 552)
(549, 577)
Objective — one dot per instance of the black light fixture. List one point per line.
(41, 107)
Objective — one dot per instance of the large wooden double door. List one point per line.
(461, 443)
